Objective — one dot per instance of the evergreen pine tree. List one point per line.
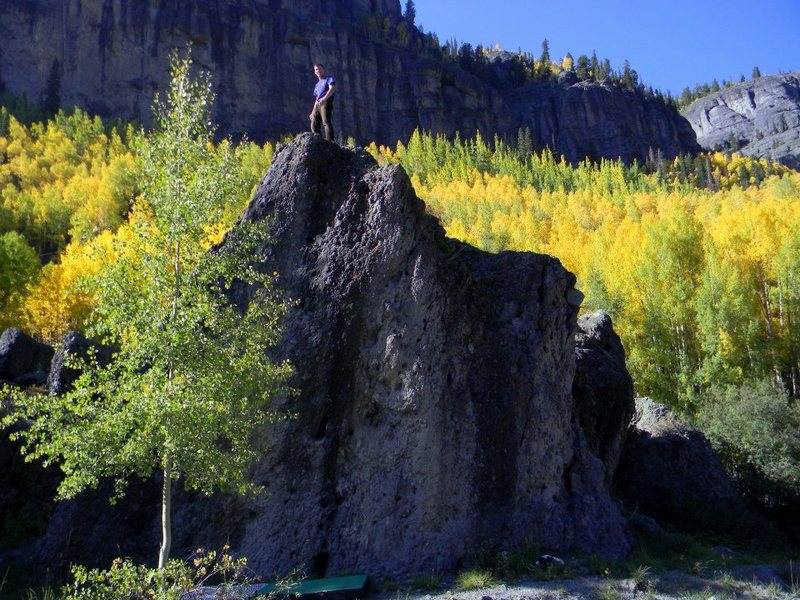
(604, 70)
(544, 60)
(582, 68)
(51, 100)
(410, 14)
(594, 68)
(524, 143)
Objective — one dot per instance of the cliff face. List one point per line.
(760, 118)
(580, 119)
(112, 57)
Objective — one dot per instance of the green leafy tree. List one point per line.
(754, 428)
(190, 383)
(19, 263)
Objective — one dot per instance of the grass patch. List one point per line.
(669, 550)
(511, 566)
(643, 579)
(475, 579)
(609, 592)
(389, 585)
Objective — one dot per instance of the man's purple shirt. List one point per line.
(322, 86)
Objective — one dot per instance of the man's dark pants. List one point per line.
(321, 120)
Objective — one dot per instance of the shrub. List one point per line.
(754, 428)
(129, 581)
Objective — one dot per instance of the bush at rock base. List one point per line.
(754, 428)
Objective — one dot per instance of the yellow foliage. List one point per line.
(645, 253)
(55, 303)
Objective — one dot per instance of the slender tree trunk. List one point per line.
(166, 489)
(166, 515)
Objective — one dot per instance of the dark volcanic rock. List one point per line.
(762, 116)
(73, 343)
(669, 471)
(112, 57)
(435, 413)
(21, 355)
(26, 496)
(602, 388)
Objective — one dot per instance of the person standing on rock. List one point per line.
(322, 113)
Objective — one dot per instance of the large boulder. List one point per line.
(602, 388)
(670, 472)
(435, 413)
(22, 357)
(75, 344)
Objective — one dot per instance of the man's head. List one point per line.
(319, 70)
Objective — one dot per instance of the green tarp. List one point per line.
(309, 587)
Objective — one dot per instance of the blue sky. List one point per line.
(671, 43)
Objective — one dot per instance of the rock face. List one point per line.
(670, 472)
(580, 119)
(73, 343)
(761, 117)
(435, 413)
(602, 388)
(23, 359)
(111, 56)
(26, 497)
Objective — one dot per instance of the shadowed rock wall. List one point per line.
(112, 58)
(435, 412)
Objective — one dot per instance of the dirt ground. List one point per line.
(756, 582)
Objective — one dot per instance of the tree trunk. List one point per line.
(166, 515)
